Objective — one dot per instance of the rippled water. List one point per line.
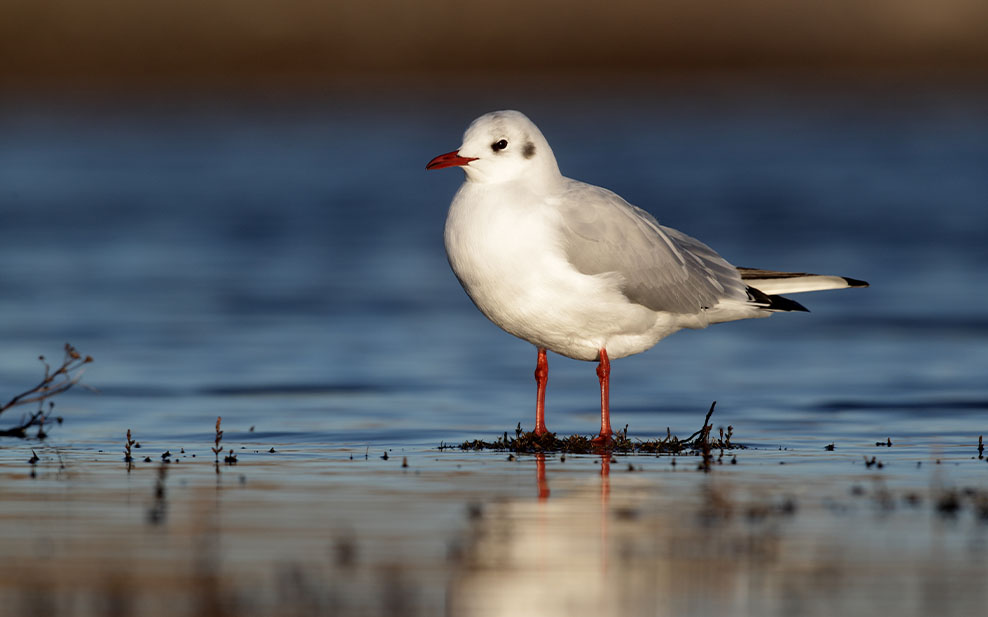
(280, 264)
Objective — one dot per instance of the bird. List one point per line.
(575, 269)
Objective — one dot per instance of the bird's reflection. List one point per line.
(543, 484)
(605, 497)
(540, 476)
(550, 554)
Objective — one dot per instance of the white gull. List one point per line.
(575, 269)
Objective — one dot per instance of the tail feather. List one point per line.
(772, 283)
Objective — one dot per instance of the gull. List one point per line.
(575, 269)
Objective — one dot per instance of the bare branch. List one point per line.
(63, 378)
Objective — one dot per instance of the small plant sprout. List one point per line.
(127, 446)
(219, 437)
(231, 458)
(54, 382)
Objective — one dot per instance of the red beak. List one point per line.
(450, 159)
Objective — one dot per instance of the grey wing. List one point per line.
(658, 267)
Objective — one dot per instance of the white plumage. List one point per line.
(574, 268)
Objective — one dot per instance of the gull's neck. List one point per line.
(543, 179)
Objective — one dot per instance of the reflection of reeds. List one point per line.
(54, 383)
(156, 514)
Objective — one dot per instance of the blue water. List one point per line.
(280, 263)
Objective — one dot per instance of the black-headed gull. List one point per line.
(575, 269)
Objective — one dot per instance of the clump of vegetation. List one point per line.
(54, 383)
(699, 443)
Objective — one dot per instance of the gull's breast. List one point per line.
(510, 261)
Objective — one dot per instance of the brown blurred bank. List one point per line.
(234, 42)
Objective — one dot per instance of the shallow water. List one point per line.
(280, 264)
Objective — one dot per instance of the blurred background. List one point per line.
(227, 199)
(225, 204)
(107, 43)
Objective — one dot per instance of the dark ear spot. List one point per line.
(529, 150)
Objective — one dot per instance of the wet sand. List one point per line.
(310, 532)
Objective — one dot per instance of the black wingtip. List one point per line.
(855, 282)
(775, 303)
(781, 303)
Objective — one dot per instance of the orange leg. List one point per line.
(604, 373)
(541, 378)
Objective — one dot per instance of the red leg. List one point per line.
(541, 378)
(604, 373)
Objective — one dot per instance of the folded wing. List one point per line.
(658, 267)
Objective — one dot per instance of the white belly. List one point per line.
(510, 263)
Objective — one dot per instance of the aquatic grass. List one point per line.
(229, 459)
(217, 448)
(52, 384)
(699, 443)
(127, 448)
(128, 456)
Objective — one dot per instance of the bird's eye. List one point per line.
(499, 145)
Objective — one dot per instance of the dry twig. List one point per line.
(54, 383)
(219, 437)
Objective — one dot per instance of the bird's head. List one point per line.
(502, 146)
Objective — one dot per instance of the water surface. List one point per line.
(280, 264)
